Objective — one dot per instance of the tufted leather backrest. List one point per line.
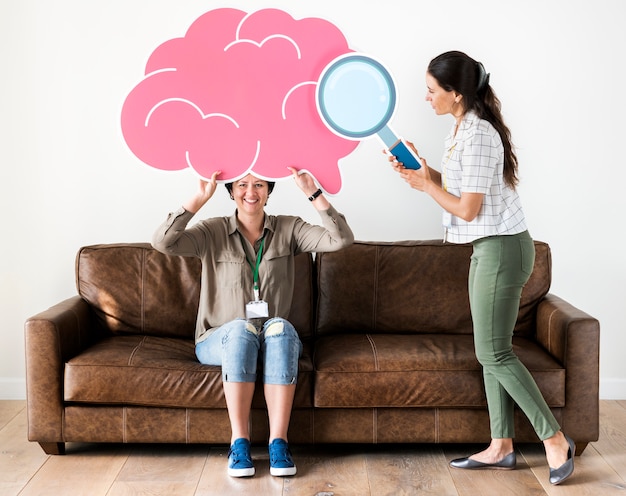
(409, 287)
(135, 289)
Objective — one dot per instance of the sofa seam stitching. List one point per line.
(550, 330)
(136, 349)
(187, 436)
(143, 290)
(374, 352)
(375, 295)
(124, 422)
(375, 426)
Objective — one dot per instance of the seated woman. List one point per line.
(245, 297)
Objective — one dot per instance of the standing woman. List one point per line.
(245, 296)
(476, 189)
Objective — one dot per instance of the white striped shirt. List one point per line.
(473, 162)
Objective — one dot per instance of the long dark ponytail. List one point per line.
(456, 71)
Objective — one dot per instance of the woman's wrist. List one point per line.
(195, 203)
(429, 186)
(315, 195)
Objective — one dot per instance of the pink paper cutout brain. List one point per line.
(237, 94)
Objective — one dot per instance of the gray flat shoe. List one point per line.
(558, 475)
(507, 463)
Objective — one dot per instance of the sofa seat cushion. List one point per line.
(422, 370)
(157, 371)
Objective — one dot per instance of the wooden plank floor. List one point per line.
(337, 470)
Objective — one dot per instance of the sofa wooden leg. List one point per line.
(580, 447)
(53, 448)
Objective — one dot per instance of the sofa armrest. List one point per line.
(573, 338)
(51, 338)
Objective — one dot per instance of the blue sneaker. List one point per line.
(239, 459)
(281, 463)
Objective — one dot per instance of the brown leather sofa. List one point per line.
(388, 352)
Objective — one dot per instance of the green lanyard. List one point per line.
(255, 268)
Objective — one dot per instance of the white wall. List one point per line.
(68, 178)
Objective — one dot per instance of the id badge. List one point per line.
(257, 310)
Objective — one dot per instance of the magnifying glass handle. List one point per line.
(397, 147)
(387, 136)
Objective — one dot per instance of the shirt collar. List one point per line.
(232, 223)
(466, 122)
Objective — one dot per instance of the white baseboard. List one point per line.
(612, 389)
(12, 388)
(15, 389)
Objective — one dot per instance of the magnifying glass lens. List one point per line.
(356, 96)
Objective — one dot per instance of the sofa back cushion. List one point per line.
(135, 289)
(409, 287)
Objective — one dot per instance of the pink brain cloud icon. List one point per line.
(237, 94)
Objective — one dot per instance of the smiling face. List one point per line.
(250, 194)
(442, 101)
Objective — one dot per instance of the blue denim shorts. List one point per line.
(240, 348)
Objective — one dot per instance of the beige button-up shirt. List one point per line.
(227, 283)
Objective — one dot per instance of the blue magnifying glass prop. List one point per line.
(356, 98)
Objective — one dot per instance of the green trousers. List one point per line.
(499, 269)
